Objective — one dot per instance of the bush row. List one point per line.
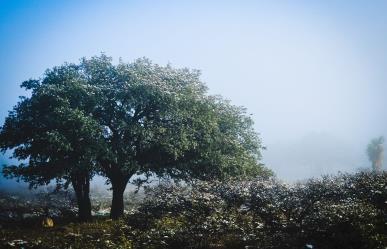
(341, 211)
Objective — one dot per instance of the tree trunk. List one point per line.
(118, 187)
(81, 185)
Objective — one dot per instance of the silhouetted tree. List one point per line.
(375, 153)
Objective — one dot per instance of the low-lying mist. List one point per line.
(313, 155)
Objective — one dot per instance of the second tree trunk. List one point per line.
(117, 209)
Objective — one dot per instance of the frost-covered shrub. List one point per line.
(342, 211)
(345, 211)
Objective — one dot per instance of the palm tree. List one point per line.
(375, 153)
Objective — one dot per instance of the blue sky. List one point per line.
(312, 73)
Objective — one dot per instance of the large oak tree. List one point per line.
(146, 119)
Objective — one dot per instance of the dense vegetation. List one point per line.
(341, 211)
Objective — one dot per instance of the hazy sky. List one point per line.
(312, 73)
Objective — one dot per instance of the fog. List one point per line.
(312, 75)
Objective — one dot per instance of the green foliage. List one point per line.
(161, 120)
(128, 118)
(52, 130)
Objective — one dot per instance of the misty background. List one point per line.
(312, 74)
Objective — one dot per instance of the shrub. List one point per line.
(342, 211)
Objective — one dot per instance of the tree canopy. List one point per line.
(53, 132)
(126, 119)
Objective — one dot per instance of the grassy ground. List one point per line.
(101, 233)
(21, 217)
